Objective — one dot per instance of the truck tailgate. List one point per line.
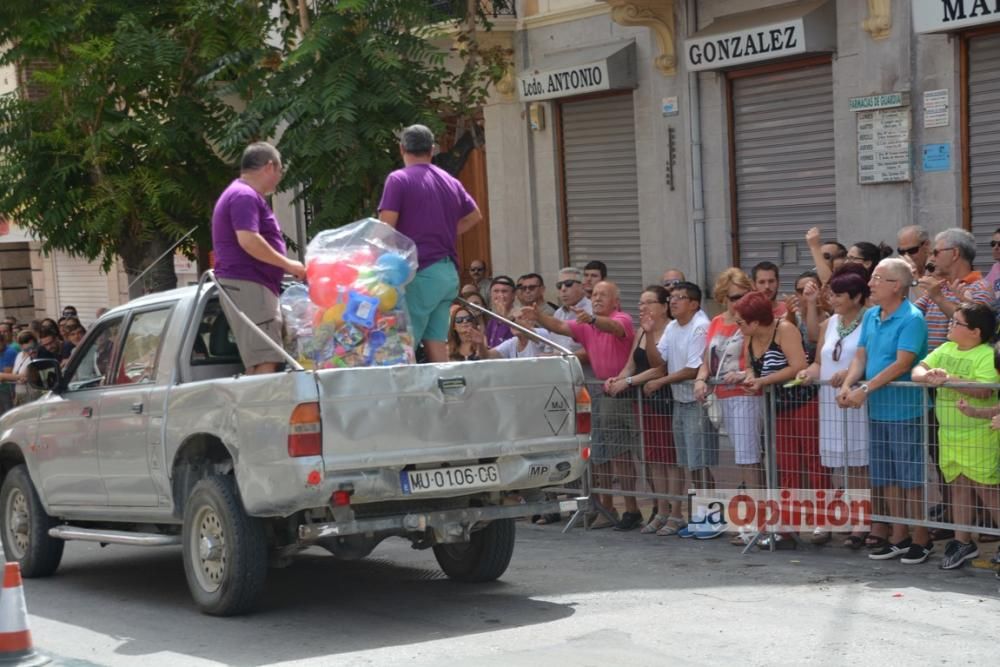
(427, 413)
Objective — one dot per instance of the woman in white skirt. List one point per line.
(843, 433)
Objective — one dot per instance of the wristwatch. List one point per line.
(864, 387)
(628, 380)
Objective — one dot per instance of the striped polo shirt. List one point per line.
(937, 322)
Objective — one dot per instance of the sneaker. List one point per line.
(629, 521)
(709, 530)
(917, 553)
(956, 553)
(685, 532)
(891, 550)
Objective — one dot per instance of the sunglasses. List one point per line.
(465, 319)
(735, 297)
(671, 283)
(994, 244)
(909, 251)
(566, 283)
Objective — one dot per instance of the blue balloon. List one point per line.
(393, 269)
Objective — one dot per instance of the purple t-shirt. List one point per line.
(240, 207)
(430, 202)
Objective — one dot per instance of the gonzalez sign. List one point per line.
(944, 15)
(764, 34)
(717, 51)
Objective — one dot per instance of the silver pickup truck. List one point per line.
(151, 435)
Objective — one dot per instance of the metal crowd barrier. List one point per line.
(896, 460)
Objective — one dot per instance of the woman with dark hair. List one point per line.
(658, 441)
(462, 342)
(774, 352)
(868, 255)
(843, 433)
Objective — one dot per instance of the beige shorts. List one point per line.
(261, 305)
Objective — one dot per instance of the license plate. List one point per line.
(446, 479)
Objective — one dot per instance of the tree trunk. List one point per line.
(145, 277)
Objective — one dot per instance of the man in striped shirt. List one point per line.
(954, 252)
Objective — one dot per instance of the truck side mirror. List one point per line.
(44, 375)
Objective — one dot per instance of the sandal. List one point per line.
(656, 523)
(876, 542)
(855, 542)
(673, 527)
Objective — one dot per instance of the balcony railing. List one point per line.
(491, 8)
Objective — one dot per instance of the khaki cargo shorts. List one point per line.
(261, 305)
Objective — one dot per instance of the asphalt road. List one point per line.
(600, 598)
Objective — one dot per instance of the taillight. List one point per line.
(305, 431)
(582, 411)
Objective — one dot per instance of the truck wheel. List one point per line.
(225, 553)
(483, 558)
(26, 526)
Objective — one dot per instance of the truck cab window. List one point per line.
(140, 350)
(94, 360)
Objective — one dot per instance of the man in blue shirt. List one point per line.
(7, 358)
(893, 340)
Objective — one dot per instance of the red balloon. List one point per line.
(341, 273)
(323, 292)
(316, 265)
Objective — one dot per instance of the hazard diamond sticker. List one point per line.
(556, 411)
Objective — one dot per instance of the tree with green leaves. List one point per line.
(351, 74)
(109, 155)
(138, 111)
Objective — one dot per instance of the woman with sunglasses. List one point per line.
(722, 373)
(843, 433)
(462, 341)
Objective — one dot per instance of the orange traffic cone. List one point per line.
(15, 637)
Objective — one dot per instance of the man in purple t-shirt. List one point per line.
(432, 208)
(250, 256)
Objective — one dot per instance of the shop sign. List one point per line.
(881, 101)
(884, 146)
(947, 15)
(575, 80)
(580, 71)
(762, 43)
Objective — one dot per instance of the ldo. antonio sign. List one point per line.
(579, 71)
(569, 81)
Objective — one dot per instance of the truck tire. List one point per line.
(26, 524)
(484, 557)
(224, 550)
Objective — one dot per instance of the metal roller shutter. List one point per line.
(602, 198)
(82, 284)
(984, 143)
(784, 166)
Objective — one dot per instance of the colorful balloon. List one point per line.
(393, 269)
(324, 291)
(387, 295)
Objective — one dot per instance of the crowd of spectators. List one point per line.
(22, 342)
(832, 353)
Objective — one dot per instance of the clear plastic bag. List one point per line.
(353, 310)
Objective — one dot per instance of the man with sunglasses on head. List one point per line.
(530, 291)
(574, 301)
(480, 278)
(913, 244)
(954, 251)
(993, 277)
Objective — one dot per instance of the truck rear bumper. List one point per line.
(448, 526)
